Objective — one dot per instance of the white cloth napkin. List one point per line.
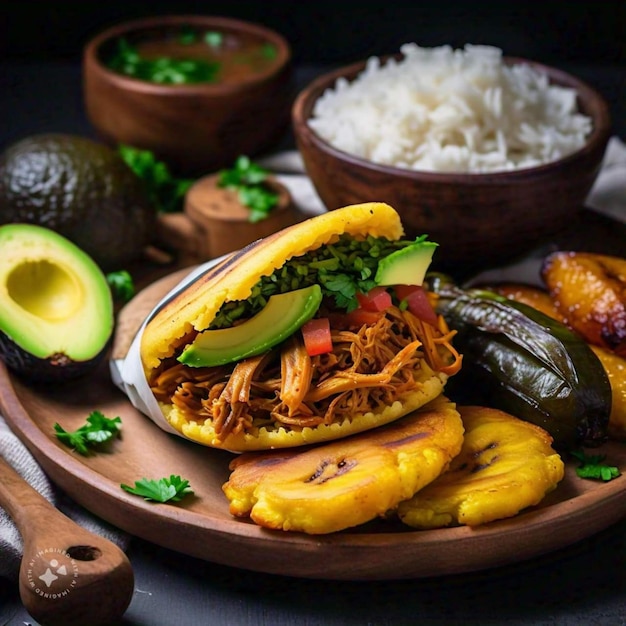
(607, 196)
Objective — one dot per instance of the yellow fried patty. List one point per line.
(505, 465)
(339, 485)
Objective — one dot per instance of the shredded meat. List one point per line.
(369, 367)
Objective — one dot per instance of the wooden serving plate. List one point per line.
(201, 525)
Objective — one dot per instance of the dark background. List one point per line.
(592, 31)
(41, 43)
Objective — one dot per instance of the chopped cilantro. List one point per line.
(248, 179)
(269, 51)
(98, 430)
(594, 467)
(121, 284)
(165, 191)
(213, 39)
(163, 70)
(187, 35)
(343, 269)
(170, 489)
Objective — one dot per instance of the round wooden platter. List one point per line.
(201, 525)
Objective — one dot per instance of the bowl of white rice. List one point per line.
(486, 154)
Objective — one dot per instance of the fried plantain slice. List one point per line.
(505, 465)
(535, 297)
(339, 485)
(590, 292)
(615, 367)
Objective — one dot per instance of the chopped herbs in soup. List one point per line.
(191, 56)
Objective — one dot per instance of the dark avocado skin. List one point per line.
(83, 190)
(55, 371)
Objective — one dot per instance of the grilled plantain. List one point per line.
(505, 466)
(589, 290)
(334, 486)
(615, 367)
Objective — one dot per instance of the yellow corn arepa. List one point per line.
(430, 385)
(505, 466)
(334, 486)
(195, 307)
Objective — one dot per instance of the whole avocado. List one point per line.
(81, 189)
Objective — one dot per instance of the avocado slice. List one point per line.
(406, 266)
(56, 307)
(282, 316)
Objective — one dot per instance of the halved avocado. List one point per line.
(56, 307)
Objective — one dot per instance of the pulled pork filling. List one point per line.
(369, 368)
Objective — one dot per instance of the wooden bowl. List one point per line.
(478, 219)
(195, 128)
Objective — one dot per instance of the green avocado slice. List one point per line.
(406, 266)
(282, 315)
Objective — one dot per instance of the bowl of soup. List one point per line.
(197, 91)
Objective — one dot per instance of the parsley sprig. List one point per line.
(165, 191)
(249, 180)
(172, 489)
(98, 430)
(594, 467)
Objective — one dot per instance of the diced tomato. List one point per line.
(361, 317)
(316, 334)
(417, 302)
(354, 319)
(377, 299)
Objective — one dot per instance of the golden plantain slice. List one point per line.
(339, 485)
(615, 367)
(505, 465)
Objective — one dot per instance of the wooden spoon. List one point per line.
(68, 576)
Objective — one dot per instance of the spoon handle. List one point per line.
(68, 575)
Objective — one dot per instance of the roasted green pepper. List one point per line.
(519, 360)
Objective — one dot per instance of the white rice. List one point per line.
(445, 110)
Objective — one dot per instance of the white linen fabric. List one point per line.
(607, 196)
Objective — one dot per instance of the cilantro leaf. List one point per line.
(165, 191)
(97, 430)
(121, 284)
(594, 468)
(249, 180)
(213, 39)
(170, 489)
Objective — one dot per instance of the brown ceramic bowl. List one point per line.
(478, 219)
(195, 128)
